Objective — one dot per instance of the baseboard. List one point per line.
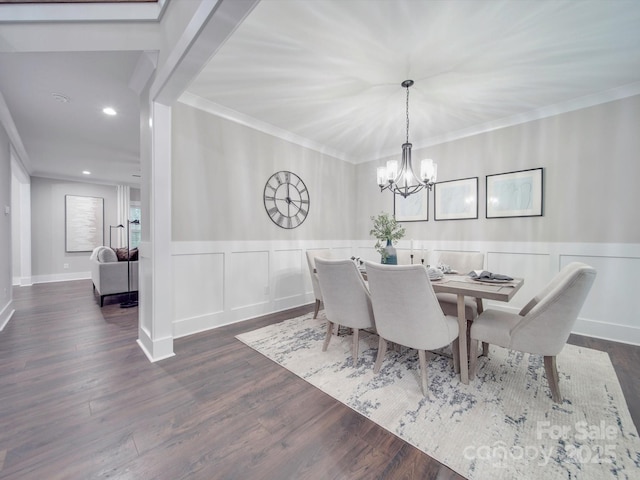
(6, 314)
(607, 331)
(60, 277)
(155, 350)
(201, 323)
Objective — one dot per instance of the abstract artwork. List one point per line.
(515, 194)
(84, 223)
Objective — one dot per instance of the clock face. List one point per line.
(286, 199)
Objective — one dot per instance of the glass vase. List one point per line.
(391, 254)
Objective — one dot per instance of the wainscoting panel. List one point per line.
(535, 268)
(247, 279)
(217, 283)
(205, 296)
(289, 275)
(611, 304)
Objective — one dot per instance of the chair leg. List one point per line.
(455, 349)
(422, 357)
(485, 349)
(356, 339)
(382, 350)
(327, 338)
(473, 358)
(317, 309)
(552, 377)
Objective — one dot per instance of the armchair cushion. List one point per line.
(107, 255)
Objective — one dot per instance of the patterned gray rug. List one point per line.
(502, 425)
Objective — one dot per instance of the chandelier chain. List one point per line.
(407, 114)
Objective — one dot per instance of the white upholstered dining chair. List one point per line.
(346, 299)
(543, 326)
(407, 313)
(311, 261)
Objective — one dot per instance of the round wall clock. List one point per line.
(286, 199)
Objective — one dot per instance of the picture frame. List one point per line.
(456, 199)
(515, 194)
(414, 208)
(84, 223)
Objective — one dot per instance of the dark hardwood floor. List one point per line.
(79, 400)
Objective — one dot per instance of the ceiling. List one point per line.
(56, 101)
(329, 71)
(327, 74)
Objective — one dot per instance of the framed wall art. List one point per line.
(515, 194)
(456, 199)
(84, 223)
(414, 208)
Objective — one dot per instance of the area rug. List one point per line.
(502, 425)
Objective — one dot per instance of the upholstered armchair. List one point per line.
(543, 326)
(311, 261)
(346, 299)
(407, 313)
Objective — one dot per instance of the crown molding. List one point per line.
(228, 114)
(572, 105)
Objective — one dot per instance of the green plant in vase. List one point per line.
(387, 231)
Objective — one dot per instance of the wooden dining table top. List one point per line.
(465, 285)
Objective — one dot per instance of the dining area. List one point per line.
(417, 306)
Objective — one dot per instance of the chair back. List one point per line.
(345, 295)
(546, 326)
(462, 262)
(311, 261)
(405, 306)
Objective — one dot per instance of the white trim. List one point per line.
(211, 25)
(213, 108)
(145, 68)
(607, 331)
(105, 12)
(156, 350)
(21, 156)
(586, 101)
(61, 277)
(6, 314)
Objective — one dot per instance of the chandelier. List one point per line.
(405, 181)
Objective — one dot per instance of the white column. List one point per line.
(155, 327)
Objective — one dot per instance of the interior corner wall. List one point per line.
(219, 171)
(591, 172)
(230, 261)
(49, 255)
(6, 292)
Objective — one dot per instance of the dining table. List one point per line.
(465, 286)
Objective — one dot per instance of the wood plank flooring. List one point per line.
(79, 400)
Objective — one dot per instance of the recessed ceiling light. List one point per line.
(60, 98)
(109, 111)
(86, 172)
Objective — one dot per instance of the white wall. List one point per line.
(231, 263)
(48, 228)
(219, 171)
